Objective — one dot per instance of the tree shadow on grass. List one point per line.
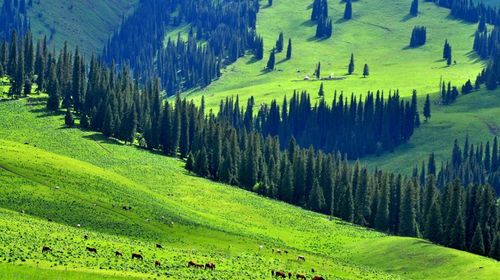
(252, 60)
(308, 23)
(407, 18)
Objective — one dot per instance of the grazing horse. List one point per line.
(301, 258)
(281, 274)
(195, 264)
(312, 270)
(157, 263)
(158, 246)
(289, 275)
(318, 278)
(137, 256)
(46, 249)
(210, 266)
(301, 276)
(92, 250)
(278, 251)
(118, 254)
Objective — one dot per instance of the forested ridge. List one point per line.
(220, 32)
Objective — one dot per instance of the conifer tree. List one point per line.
(279, 43)
(321, 92)
(317, 73)
(316, 197)
(289, 50)
(68, 119)
(427, 108)
(414, 8)
(350, 69)
(348, 10)
(477, 245)
(190, 162)
(271, 61)
(366, 71)
(408, 223)
(434, 223)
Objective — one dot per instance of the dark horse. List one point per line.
(137, 256)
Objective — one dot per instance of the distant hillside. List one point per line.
(86, 23)
(378, 35)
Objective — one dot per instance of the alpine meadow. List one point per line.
(249, 139)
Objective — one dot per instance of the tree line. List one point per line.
(478, 164)
(353, 125)
(14, 16)
(226, 28)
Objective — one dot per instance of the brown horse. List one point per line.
(92, 250)
(118, 254)
(301, 276)
(301, 258)
(210, 266)
(46, 249)
(281, 274)
(157, 263)
(137, 256)
(318, 278)
(195, 264)
(158, 246)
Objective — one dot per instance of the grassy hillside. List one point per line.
(60, 184)
(475, 115)
(86, 23)
(378, 35)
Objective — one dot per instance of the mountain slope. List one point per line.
(378, 35)
(85, 180)
(86, 23)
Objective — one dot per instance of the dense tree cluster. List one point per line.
(17, 61)
(351, 125)
(418, 36)
(319, 14)
(13, 16)
(449, 93)
(227, 29)
(471, 11)
(476, 165)
(490, 76)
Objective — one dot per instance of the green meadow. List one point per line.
(60, 184)
(378, 35)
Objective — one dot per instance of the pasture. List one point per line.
(54, 193)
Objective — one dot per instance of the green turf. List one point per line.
(86, 23)
(73, 177)
(378, 35)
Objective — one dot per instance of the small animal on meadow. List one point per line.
(281, 274)
(301, 258)
(49, 219)
(137, 256)
(118, 254)
(210, 266)
(313, 270)
(85, 237)
(289, 275)
(317, 277)
(46, 249)
(195, 264)
(158, 246)
(286, 252)
(157, 263)
(92, 250)
(301, 276)
(278, 251)
(260, 247)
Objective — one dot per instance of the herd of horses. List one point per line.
(138, 256)
(208, 265)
